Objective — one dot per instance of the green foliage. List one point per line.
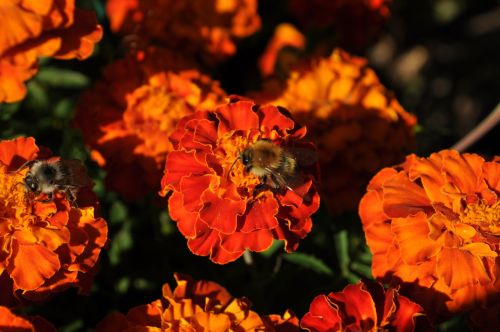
(309, 262)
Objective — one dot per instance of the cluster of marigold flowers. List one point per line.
(432, 223)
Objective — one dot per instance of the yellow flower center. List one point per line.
(15, 210)
(486, 217)
(231, 146)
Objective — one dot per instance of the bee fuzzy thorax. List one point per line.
(50, 176)
(273, 164)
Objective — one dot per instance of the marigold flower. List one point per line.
(214, 200)
(40, 28)
(196, 306)
(433, 225)
(45, 247)
(127, 116)
(357, 125)
(364, 307)
(356, 22)
(190, 27)
(11, 322)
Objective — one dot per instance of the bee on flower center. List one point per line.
(277, 167)
(49, 176)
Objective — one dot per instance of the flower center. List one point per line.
(15, 212)
(231, 146)
(486, 217)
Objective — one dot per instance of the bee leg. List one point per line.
(50, 198)
(71, 197)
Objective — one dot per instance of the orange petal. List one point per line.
(403, 198)
(285, 34)
(491, 172)
(78, 40)
(32, 265)
(213, 322)
(199, 134)
(13, 153)
(146, 315)
(221, 213)
(186, 221)
(273, 119)
(357, 303)
(463, 170)
(11, 322)
(261, 214)
(180, 164)
(480, 249)
(429, 171)
(259, 240)
(460, 268)
(192, 189)
(237, 116)
(406, 315)
(412, 234)
(12, 78)
(322, 316)
(378, 180)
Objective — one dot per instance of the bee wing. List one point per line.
(279, 180)
(304, 156)
(76, 173)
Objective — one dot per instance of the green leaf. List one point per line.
(167, 226)
(309, 262)
(272, 249)
(118, 212)
(37, 96)
(62, 78)
(342, 246)
(362, 269)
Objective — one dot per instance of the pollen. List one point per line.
(14, 205)
(486, 217)
(230, 148)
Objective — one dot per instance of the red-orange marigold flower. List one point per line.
(356, 22)
(197, 306)
(222, 214)
(11, 322)
(364, 307)
(127, 117)
(190, 27)
(357, 125)
(45, 247)
(40, 28)
(433, 225)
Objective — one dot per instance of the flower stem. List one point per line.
(484, 126)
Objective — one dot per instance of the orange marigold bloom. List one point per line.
(213, 198)
(357, 125)
(197, 306)
(127, 116)
(11, 322)
(209, 27)
(45, 247)
(364, 307)
(433, 225)
(40, 28)
(357, 22)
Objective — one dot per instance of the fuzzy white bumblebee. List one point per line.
(49, 176)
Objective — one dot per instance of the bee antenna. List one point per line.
(232, 165)
(28, 163)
